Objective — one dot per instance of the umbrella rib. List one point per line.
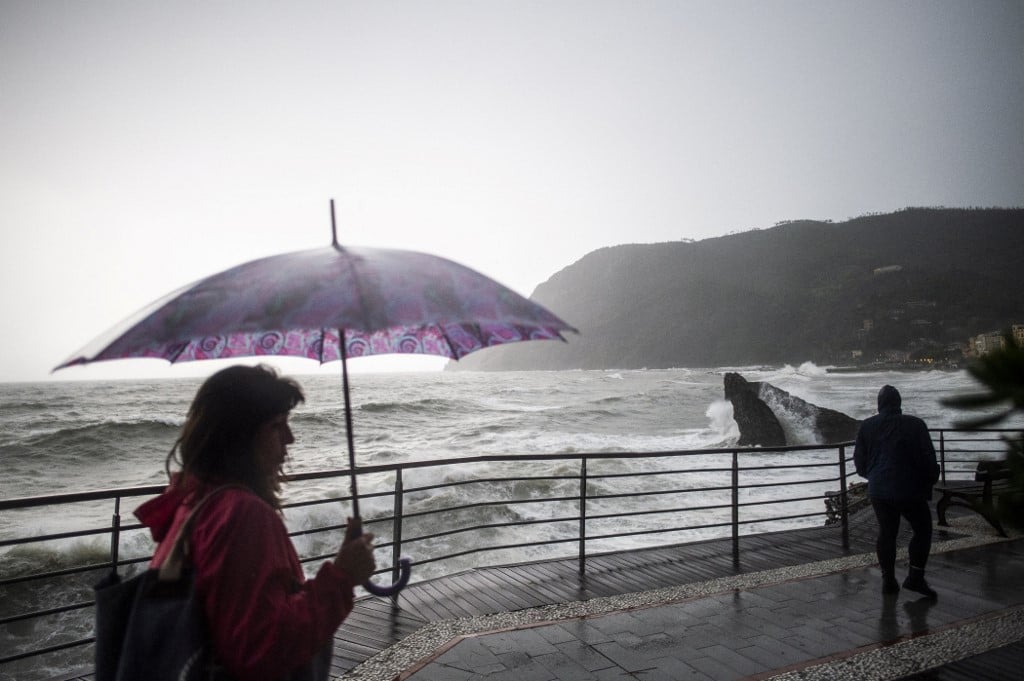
(448, 340)
(174, 358)
(357, 286)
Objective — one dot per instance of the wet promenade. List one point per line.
(798, 605)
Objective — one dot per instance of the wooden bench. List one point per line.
(979, 495)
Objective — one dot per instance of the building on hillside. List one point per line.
(984, 343)
(996, 340)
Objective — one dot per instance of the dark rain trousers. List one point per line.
(919, 515)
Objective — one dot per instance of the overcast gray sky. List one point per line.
(144, 145)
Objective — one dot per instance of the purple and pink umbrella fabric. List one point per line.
(298, 304)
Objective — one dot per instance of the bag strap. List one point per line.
(171, 569)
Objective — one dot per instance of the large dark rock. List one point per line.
(757, 422)
(760, 408)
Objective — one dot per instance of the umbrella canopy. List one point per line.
(301, 304)
(328, 304)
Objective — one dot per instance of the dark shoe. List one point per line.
(890, 585)
(917, 583)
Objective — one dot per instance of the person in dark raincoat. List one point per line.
(894, 452)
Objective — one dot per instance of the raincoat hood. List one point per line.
(889, 400)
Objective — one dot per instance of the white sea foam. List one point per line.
(723, 424)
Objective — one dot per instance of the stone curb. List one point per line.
(918, 654)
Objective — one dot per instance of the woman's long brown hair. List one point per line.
(216, 442)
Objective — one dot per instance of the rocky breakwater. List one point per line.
(761, 410)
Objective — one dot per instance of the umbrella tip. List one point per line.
(334, 226)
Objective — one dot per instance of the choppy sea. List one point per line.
(58, 437)
(72, 436)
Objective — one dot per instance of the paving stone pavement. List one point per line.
(830, 626)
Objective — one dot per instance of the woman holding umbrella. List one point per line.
(266, 621)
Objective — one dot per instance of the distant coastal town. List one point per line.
(927, 354)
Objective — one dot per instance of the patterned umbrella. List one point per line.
(328, 304)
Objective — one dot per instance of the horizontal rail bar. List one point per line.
(45, 651)
(631, 495)
(487, 504)
(665, 530)
(460, 483)
(755, 521)
(769, 502)
(488, 526)
(46, 613)
(39, 538)
(787, 466)
(812, 481)
(680, 471)
(8, 581)
(683, 509)
(498, 547)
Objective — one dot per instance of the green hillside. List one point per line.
(916, 280)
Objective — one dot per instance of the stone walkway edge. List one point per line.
(915, 654)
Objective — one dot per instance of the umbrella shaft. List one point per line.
(353, 486)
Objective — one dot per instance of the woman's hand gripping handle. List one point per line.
(356, 559)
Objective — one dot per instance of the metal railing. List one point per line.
(546, 506)
(959, 451)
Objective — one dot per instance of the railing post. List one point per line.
(942, 454)
(583, 516)
(396, 531)
(843, 507)
(115, 534)
(735, 508)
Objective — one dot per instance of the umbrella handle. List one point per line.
(404, 567)
(405, 571)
